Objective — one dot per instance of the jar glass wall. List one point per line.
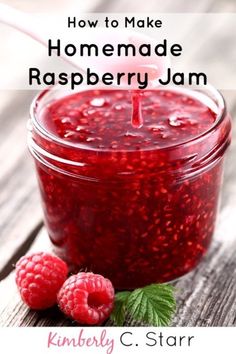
(136, 216)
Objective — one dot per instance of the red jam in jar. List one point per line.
(136, 204)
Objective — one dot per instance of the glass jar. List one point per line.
(137, 217)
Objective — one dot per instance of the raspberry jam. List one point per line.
(136, 202)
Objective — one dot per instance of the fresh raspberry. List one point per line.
(87, 298)
(39, 277)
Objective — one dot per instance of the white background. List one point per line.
(32, 340)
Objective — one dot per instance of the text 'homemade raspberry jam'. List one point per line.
(134, 202)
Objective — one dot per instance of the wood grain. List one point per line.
(20, 212)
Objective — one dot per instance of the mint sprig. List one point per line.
(154, 305)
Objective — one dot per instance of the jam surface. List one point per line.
(102, 119)
(132, 211)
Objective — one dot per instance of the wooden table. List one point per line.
(205, 297)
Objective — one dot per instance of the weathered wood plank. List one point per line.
(228, 195)
(20, 211)
(207, 295)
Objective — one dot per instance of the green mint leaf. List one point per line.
(154, 304)
(118, 314)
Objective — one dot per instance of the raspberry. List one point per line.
(39, 277)
(87, 298)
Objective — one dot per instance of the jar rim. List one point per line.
(220, 102)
